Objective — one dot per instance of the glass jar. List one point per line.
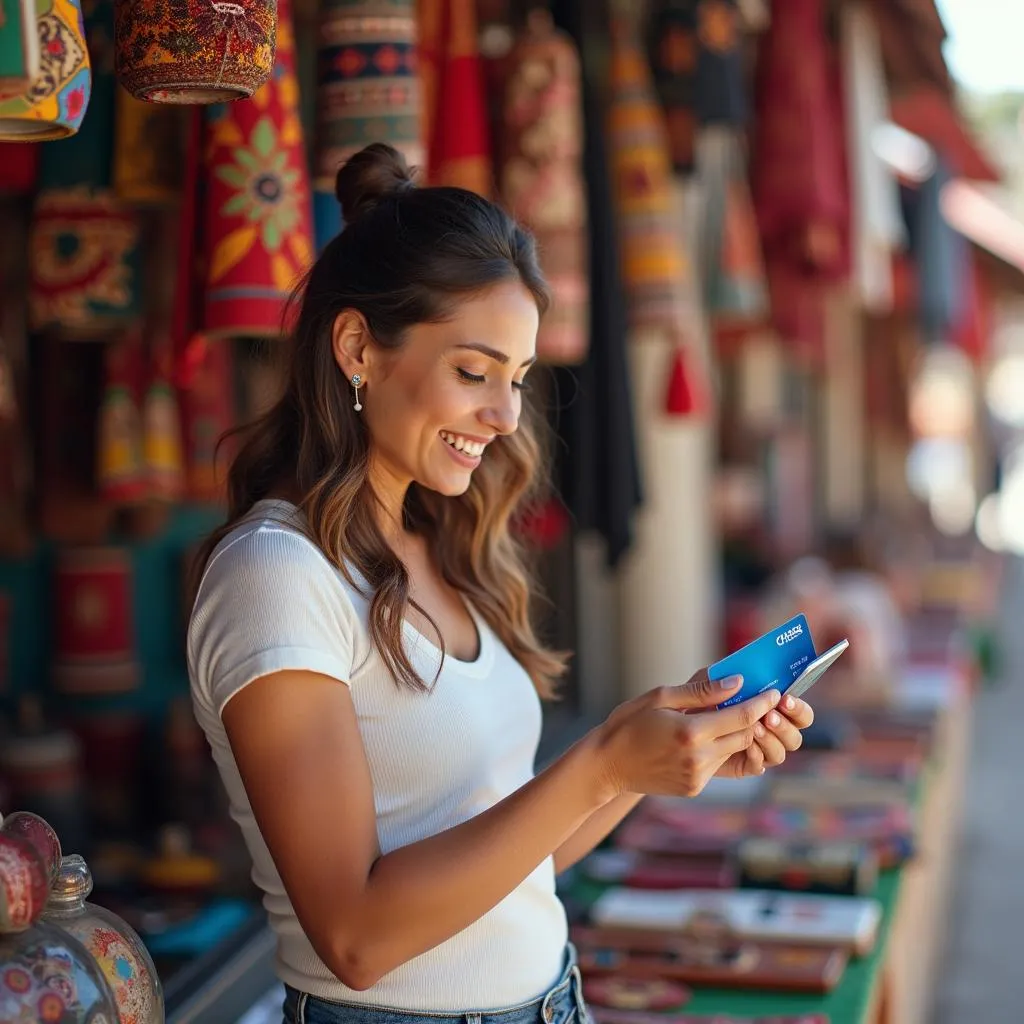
(47, 975)
(29, 861)
(123, 959)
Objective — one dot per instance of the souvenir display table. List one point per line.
(893, 983)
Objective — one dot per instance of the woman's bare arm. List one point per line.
(297, 746)
(594, 829)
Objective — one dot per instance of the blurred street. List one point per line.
(984, 982)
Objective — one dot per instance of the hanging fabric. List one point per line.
(877, 229)
(257, 211)
(598, 468)
(368, 90)
(941, 258)
(194, 51)
(541, 178)
(672, 46)
(162, 455)
(799, 171)
(19, 168)
(653, 261)
(85, 259)
(207, 410)
(54, 104)
(120, 470)
(454, 103)
(148, 157)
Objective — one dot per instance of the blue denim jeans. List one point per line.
(562, 1004)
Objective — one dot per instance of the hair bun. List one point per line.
(367, 177)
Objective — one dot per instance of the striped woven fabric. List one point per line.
(367, 84)
(654, 265)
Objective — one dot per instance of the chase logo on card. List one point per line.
(772, 661)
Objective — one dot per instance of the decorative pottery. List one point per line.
(29, 861)
(54, 105)
(48, 975)
(19, 46)
(194, 51)
(257, 217)
(126, 964)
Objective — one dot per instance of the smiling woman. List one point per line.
(360, 648)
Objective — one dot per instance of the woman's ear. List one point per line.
(350, 343)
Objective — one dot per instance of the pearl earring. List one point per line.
(357, 383)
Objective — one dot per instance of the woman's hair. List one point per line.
(406, 256)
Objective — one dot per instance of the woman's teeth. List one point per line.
(462, 444)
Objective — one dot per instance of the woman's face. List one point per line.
(434, 405)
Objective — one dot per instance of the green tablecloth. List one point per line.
(848, 1003)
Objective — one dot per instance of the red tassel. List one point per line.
(544, 525)
(686, 395)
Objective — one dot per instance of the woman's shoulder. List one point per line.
(270, 553)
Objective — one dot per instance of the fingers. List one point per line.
(738, 717)
(754, 762)
(783, 730)
(772, 748)
(798, 711)
(697, 692)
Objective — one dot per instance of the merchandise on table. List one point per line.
(847, 921)
(830, 868)
(708, 954)
(640, 870)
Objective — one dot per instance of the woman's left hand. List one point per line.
(776, 735)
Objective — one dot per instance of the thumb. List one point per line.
(700, 692)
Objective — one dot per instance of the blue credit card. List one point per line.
(772, 661)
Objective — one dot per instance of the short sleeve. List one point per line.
(268, 601)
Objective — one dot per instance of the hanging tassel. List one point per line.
(687, 395)
(161, 424)
(121, 471)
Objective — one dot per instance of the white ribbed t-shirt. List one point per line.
(269, 600)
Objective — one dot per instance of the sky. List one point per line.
(986, 40)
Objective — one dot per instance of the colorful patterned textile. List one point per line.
(53, 107)
(696, 52)
(194, 51)
(653, 261)
(454, 103)
(367, 84)
(257, 212)
(84, 263)
(85, 247)
(541, 178)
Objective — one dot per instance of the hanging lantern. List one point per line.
(54, 104)
(541, 179)
(257, 215)
(162, 453)
(194, 51)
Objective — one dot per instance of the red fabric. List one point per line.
(544, 525)
(257, 205)
(19, 168)
(686, 394)
(93, 605)
(454, 101)
(974, 331)
(800, 184)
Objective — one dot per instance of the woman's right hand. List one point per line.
(652, 745)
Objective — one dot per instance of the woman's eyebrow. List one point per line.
(493, 353)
